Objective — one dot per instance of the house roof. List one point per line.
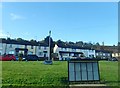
(70, 52)
(104, 51)
(23, 43)
(73, 47)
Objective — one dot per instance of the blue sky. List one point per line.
(75, 21)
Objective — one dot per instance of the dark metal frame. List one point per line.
(21, 49)
(85, 61)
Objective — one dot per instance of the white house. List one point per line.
(65, 51)
(41, 50)
(103, 54)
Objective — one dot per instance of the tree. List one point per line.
(71, 43)
(19, 39)
(89, 44)
(79, 43)
(61, 43)
(85, 44)
(46, 41)
(97, 44)
(8, 40)
(33, 42)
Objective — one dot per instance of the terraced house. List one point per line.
(65, 51)
(103, 54)
(14, 47)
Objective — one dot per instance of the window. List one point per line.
(92, 56)
(91, 51)
(10, 45)
(65, 49)
(108, 54)
(116, 54)
(0, 52)
(44, 48)
(101, 54)
(45, 55)
(40, 53)
(104, 54)
(39, 47)
(17, 46)
(31, 47)
(97, 54)
(11, 52)
(1, 45)
(30, 52)
(25, 46)
(89, 55)
(72, 54)
(74, 50)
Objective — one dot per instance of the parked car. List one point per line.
(31, 58)
(113, 59)
(8, 57)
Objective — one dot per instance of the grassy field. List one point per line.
(109, 73)
(33, 74)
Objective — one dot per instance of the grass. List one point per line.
(109, 73)
(34, 74)
(15, 73)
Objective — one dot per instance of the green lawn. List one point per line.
(109, 73)
(17, 73)
(34, 74)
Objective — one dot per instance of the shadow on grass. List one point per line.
(13, 86)
(56, 62)
(64, 81)
(64, 84)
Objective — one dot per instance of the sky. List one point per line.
(68, 21)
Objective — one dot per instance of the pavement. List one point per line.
(88, 86)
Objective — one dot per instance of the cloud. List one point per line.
(16, 17)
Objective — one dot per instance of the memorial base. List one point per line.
(48, 62)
